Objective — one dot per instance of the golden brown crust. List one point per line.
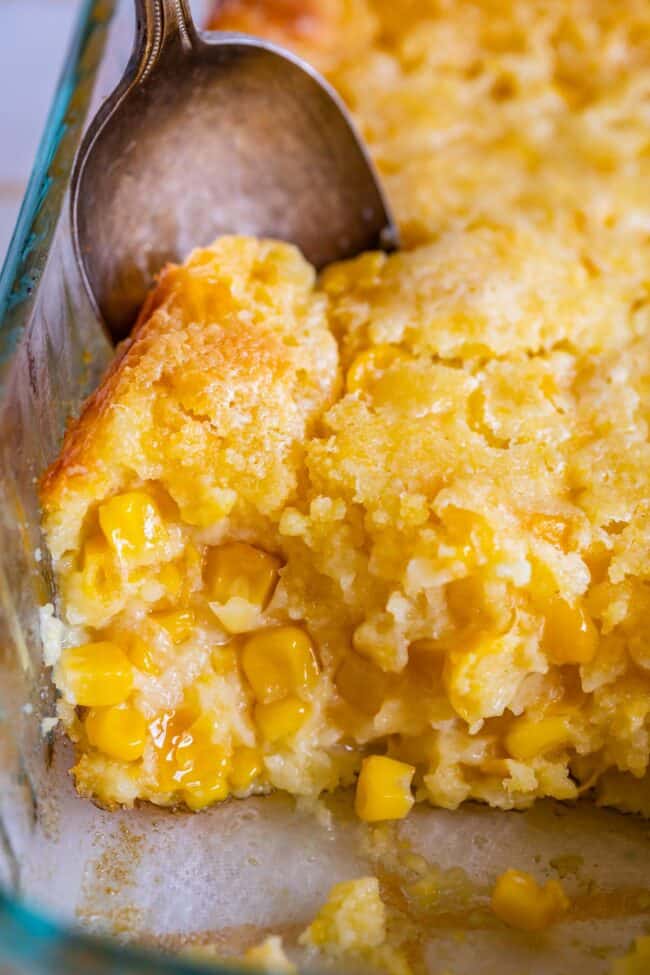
(298, 21)
(77, 442)
(223, 368)
(80, 431)
(325, 32)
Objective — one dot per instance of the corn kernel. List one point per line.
(167, 730)
(369, 365)
(117, 731)
(598, 560)
(247, 766)
(279, 661)
(132, 525)
(224, 659)
(96, 674)
(100, 578)
(364, 271)
(200, 796)
(528, 738)
(207, 511)
(468, 530)
(237, 615)
(241, 571)
(383, 789)
(170, 578)
(141, 656)
(570, 636)
(551, 528)
(281, 719)
(467, 600)
(474, 676)
(361, 683)
(198, 761)
(203, 772)
(178, 624)
(522, 903)
(188, 761)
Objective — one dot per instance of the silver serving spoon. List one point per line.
(211, 134)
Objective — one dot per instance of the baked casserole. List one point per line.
(389, 525)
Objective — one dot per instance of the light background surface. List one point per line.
(33, 40)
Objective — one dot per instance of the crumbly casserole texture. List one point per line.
(390, 523)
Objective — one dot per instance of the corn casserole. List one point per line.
(389, 525)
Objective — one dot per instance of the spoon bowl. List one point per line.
(212, 134)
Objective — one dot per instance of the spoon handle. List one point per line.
(161, 26)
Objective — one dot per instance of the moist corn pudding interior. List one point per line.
(389, 525)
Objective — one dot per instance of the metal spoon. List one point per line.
(211, 134)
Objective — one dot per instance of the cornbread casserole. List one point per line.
(391, 524)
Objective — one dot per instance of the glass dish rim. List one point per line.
(27, 253)
(28, 937)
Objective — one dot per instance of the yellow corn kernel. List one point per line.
(100, 578)
(241, 573)
(178, 623)
(237, 615)
(170, 578)
(551, 528)
(96, 674)
(528, 738)
(132, 525)
(247, 766)
(598, 559)
(570, 636)
(383, 789)
(468, 530)
(224, 659)
(279, 661)
(141, 656)
(118, 731)
(364, 271)
(474, 676)
(201, 796)
(195, 751)
(199, 767)
(281, 719)
(166, 730)
(198, 762)
(361, 683)
(522, 903)
(468, 601)
(369, 365)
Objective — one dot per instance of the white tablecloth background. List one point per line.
(33, 40)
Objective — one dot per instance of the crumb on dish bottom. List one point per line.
(357, 926)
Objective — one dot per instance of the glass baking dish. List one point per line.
(78, 885)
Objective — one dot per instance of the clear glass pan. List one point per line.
(69, 871)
